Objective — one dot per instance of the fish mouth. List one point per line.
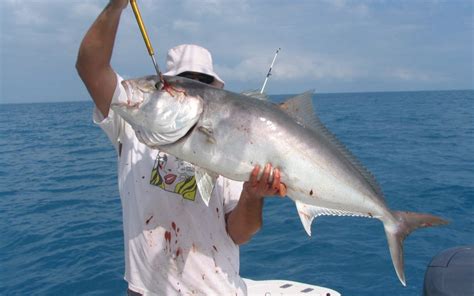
(133, 94)
(128, 89)
(170, 178)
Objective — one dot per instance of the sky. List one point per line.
(329, 46)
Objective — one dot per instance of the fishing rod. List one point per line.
(269, 71)
(141, 25)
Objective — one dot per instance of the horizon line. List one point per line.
(288, 94)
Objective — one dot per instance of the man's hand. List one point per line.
(121, 4)
(258, 188)
(246, 218)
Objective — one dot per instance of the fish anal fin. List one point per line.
(308, 213)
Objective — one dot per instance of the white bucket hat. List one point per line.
(194, 58)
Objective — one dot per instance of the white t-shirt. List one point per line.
(174, 243)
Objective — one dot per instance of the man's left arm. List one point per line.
(246, 218)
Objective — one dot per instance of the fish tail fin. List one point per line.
(406, 222)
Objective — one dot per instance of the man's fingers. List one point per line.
(266, 172)
(279, 187)
(263, 182)
(265, 185)
(276, 179)
(282, 190)
(254, 175)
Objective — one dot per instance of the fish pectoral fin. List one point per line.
(205, 181)
(208, 131)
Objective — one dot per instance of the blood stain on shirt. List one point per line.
(178, 252)
(168, 239)
(176, 230)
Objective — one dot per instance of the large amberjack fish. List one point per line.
(225, 133)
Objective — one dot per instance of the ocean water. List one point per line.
(60, 213)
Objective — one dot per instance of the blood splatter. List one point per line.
(168, 236)
(173, 225)
(214, 248)
(178, 252)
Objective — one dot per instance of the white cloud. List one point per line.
(292, 66)
(357, 8)
(313, 66)
(215, 7)
(334, 43)
(413, 75)
(86, 8)
(186, 26)
(23, 13)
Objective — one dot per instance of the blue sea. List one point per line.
(61, 221)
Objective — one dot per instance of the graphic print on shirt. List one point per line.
(174, 175)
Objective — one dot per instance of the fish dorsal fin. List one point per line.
(307, 214)
(301, 109)
(256, 95)
(205, 181)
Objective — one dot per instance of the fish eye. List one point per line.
(158, 85)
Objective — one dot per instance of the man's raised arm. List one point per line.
(95, 53)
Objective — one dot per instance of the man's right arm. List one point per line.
(95, 53)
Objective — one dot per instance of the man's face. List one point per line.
(204, 78)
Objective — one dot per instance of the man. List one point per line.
(174, 243)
